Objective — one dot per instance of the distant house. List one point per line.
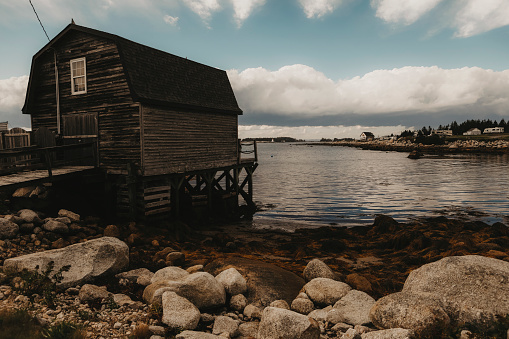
(473, 131)
(444, 132)
(367, 136)
(493, 130)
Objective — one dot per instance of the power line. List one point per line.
(39, 19)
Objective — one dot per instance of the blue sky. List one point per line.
(303, 68)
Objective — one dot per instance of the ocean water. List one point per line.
(333, 185)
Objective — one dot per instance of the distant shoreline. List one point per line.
(456, 147)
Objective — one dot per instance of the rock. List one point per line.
(55, 226)
(27, 227)
(93, 293)
(238, 302)
(280, 304)
(278, 323)
(179, 313)
(28, 215)
(351, 333)
(59, 243)
(341, 327)
(71, 215)
(224, 324)
(162, 254)
(88, 260)
(317, 269)
(23, 192)
(153, 293)
(8, 229)
(194, 269)
(252, 311)
(15, 219)
(470, 288)
(64, 220)
(321, 314)
(197, 335)
(157, 330)
(175, 259)
(169, 273)
(393, 333)
(249, 329)
(122, 299)
(422, 314)
(414, 155)
(112, 231)
(359, 282)
(265, 282)
(324, 291)
(133, 239)
(232, 281)
(133, 275)
(355, 306)
(302, 306)
(203, 290)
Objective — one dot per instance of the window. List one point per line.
(78, 76)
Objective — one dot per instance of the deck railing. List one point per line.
(35, 158)
(248, 151)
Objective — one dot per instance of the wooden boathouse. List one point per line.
(164, 128)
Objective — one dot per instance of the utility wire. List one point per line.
(39, 20)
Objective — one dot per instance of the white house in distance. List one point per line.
(473, 131)
(493, 130)
(444, 132)
(367, 136)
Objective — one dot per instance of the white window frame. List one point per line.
(84, 76)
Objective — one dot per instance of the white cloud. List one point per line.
(243, 9)
(12, 97)
(479, 16)
(204, 8)
(316, 132)
(318, 8)
(171, 20)
(402, 11)
(301, 91)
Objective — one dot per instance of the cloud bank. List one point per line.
(318, 8)
(12, 97)
(303, 92)
(402, 11)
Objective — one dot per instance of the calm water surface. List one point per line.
(320, 185)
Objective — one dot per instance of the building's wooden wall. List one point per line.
(107, 96)
(178, 142)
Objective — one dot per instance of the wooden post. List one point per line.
(255, 151)
(48, 162)
(131, 187)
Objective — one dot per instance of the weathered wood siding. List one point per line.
(107, 96)
(178, 142)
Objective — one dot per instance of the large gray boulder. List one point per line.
(200, 288)
(317, 269)
(393, 333)
(354, 307)
(224, 324)
(232, 281)
(422, 314)
(29, 216)
(324, 291)
(169, 273)
(179, 313)
(8, 229)
(278, 323)
(469, 288)
(197, 335)
(87, 260)
(265, 282)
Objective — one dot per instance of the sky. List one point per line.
(301, 68)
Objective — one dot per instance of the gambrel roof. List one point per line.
(161, 78)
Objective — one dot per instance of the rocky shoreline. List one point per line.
(456, 147)
(134, 280)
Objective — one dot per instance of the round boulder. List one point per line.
(355, 307)
(278, 323)
(169, 273)
(232, 281)
(8, 229)
(317, 269)
(179, 313)
(324, 291)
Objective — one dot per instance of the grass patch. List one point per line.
(18, 324)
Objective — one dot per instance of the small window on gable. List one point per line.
(78, 76)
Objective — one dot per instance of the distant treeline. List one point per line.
(336, 139)
(459, 129)
(278, 139)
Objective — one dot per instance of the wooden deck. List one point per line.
(36, 176)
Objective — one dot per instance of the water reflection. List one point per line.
(343, 185)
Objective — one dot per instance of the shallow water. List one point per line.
(320, 185)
